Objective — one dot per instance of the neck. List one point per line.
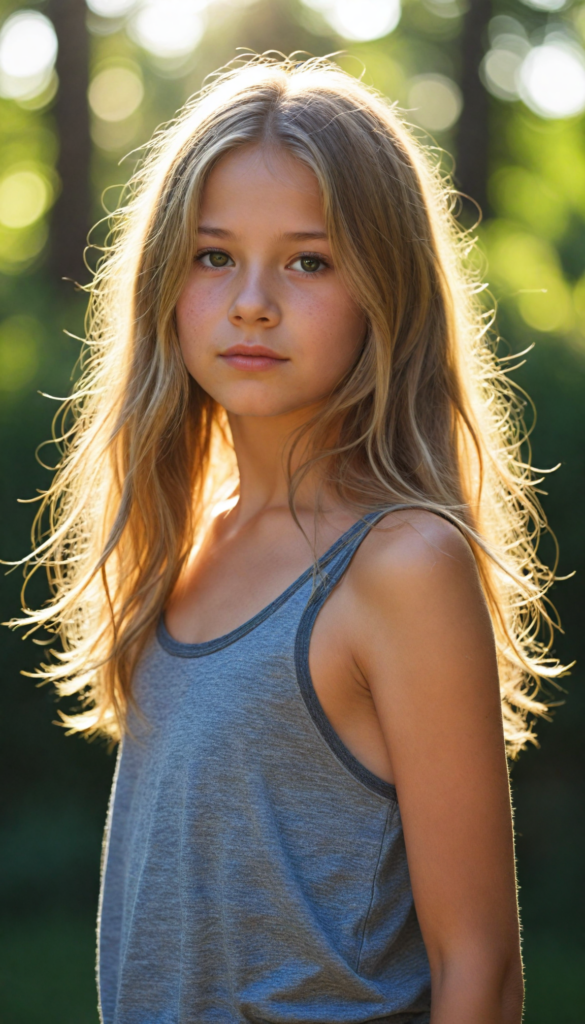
(262, 445)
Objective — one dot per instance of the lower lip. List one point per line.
(240, 362)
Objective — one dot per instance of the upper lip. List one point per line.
(252, 350)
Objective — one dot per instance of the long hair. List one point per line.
(425, 417)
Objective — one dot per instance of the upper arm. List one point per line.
(425, 646)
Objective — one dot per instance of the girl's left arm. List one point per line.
(425, 647)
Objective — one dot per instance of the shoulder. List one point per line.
(418, 610)
(415, 558)
(414, 542)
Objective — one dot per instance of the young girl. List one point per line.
(291, 552)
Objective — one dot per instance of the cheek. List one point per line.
(196, 318)
(338, 328)
(193, 312)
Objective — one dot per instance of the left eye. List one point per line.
(215, 259)
(308, 264)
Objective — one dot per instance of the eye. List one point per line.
(215, 258)
(309, 264)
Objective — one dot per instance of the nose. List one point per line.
(254, 305)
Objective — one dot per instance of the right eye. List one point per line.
(216, 259)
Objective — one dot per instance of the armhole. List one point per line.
(303, 640)
(302, 644)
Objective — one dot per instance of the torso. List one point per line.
(235, 576)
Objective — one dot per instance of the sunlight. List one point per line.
(28, 49)
(359, 20)
(111, 8)
(435, 102)
(500, 68)
(365, 19)
(169, 28)
(552, 81)
(24, 197)
(115, 93)
(545, 5)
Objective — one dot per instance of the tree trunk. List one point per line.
(473, 130)
(71, 214)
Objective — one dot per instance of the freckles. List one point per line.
(194, 307)
(318, 308)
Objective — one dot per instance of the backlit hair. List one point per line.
(426, 416)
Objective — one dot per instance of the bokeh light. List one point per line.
(552, 80)
(545, 5)
(19, 351)
(111, 8)
(115, 137)
(28, 49)
(434, 101)
(443, 8)
(169, 28)
(579, 299)
(365, 19)
(359, 20)
(24, 197)
(527, 269)
(547, 309)
(522, 195)
(115, 93)
(500, 68)
(20, 248)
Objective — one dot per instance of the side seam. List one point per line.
(389, 817)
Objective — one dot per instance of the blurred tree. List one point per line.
(473, 137)
(71, 213)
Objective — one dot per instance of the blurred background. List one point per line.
(498, 88)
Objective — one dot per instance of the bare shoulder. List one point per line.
(417, 605)
(414, 541)
(418, 554)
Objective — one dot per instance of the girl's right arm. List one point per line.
(424, 644)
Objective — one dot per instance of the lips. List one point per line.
(252, 357)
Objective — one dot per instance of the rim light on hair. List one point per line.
(426, 417)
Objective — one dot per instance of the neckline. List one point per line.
(198, 650)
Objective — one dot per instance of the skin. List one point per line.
(402, 654)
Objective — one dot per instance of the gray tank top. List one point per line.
(253, 869)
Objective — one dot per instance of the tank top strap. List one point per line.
(337, 560)
(331, 571)
(334, 564)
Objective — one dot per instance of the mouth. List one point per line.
(252, 357)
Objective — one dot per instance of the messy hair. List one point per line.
(426, 417)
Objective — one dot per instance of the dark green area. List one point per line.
(55, 789)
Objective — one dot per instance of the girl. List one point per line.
(290, 551)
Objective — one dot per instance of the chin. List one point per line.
(259, 409)
(256, 401)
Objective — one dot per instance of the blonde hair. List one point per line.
(426, 416)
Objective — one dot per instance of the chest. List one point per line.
(230, 579)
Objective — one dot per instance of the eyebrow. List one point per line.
(293, 236)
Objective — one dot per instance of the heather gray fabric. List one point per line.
(254, 870)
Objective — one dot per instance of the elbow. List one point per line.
(479, 986)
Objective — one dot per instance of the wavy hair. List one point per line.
(425, 418)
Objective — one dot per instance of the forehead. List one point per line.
(260, 182)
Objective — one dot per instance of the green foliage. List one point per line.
(534, 241)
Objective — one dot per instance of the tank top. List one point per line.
(253, 869)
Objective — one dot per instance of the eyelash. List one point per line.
(209, 252)
(303, 255)
(313, 256)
